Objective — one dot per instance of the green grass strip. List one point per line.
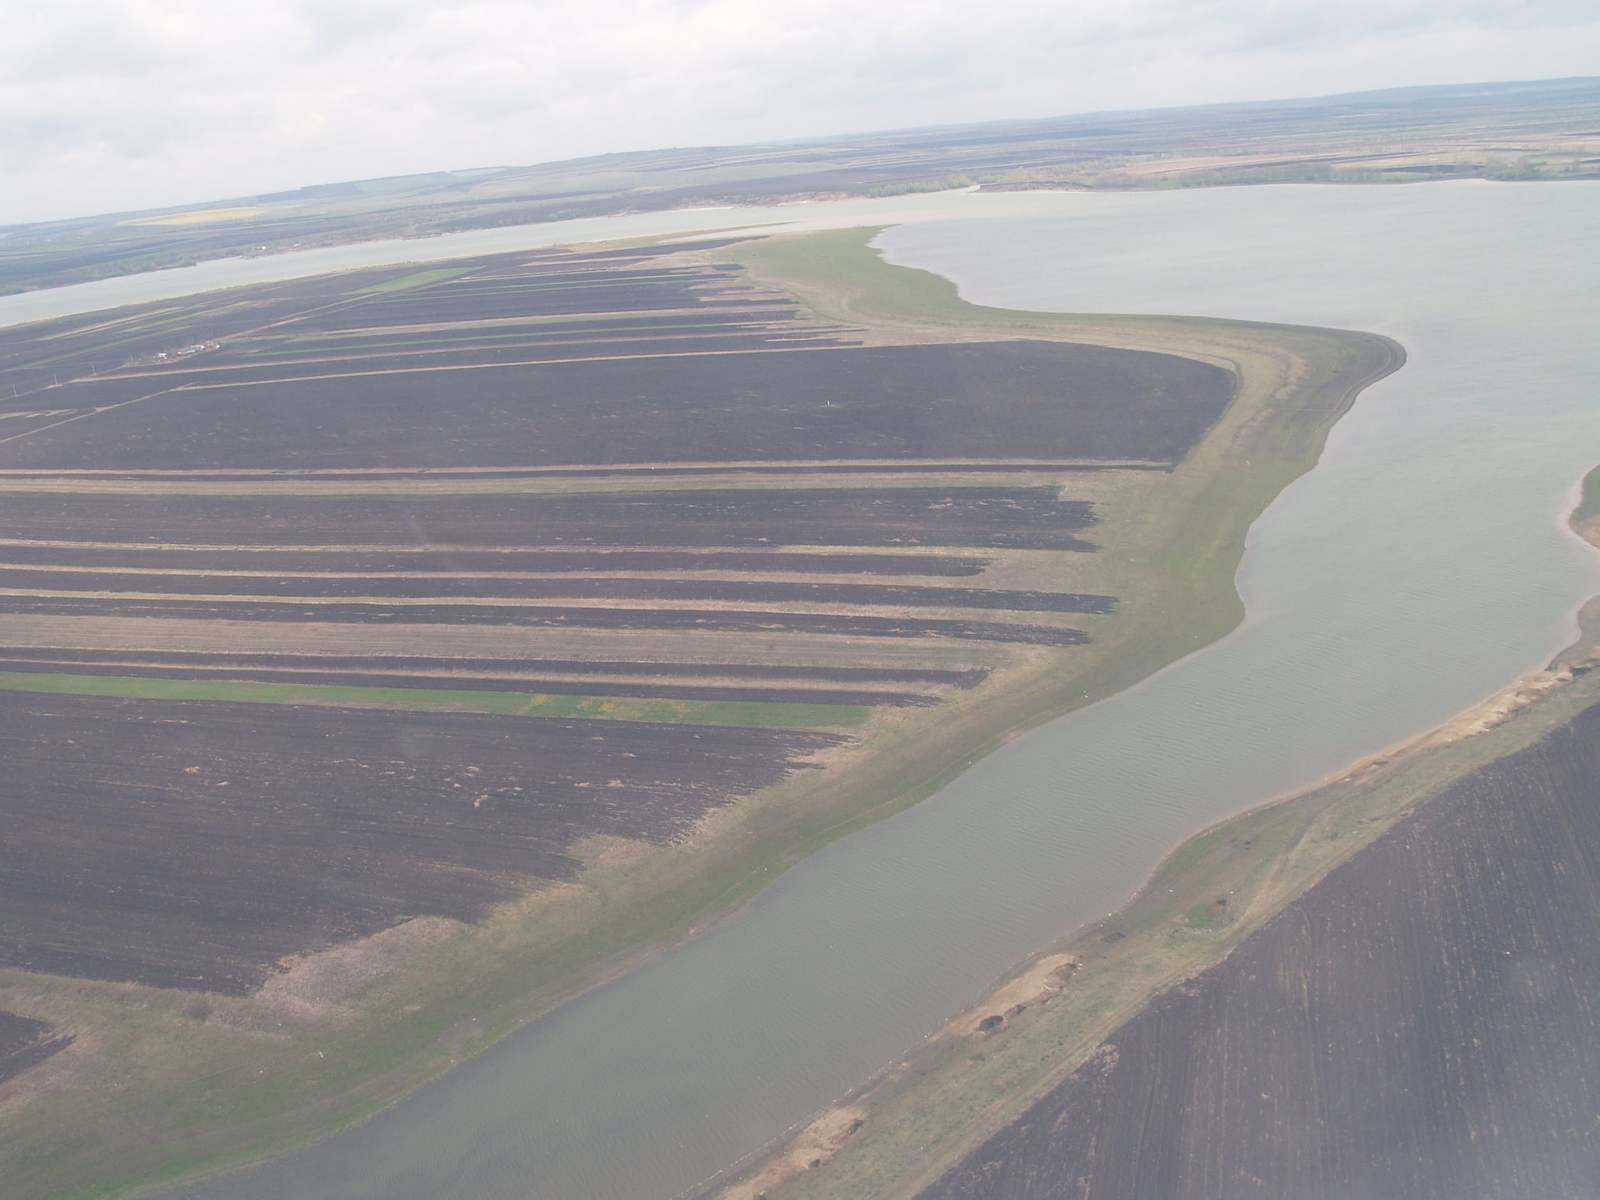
(1589, 503)
(750, 713)
(414, 280)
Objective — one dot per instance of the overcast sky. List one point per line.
(112, 105)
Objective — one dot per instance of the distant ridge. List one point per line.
(1523, 130)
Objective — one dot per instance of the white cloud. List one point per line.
(121, 104)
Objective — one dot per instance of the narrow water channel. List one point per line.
(1422, 565)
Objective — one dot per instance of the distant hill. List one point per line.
(1547, 129)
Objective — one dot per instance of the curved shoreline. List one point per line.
(937, 759)
(1207, 525)
(1370, 797)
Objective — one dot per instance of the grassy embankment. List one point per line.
(157, 1094)
(1173, 542)
(924, 1115)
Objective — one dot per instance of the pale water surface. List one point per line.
(1422, 565)
(220, 273)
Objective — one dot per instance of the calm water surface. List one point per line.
(295, 264)
(1422, 565)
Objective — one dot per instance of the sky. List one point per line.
(114, 105)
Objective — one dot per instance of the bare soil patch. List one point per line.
(815, 1145)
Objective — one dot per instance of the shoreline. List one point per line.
(735, 1173)
(1532, 690)
(770, 839)
(752, 203)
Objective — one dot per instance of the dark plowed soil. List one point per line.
(666, 289)
(272, 315)
(492, 587)
(554, 616)
(454, 683)
(340, 662)
(285, 344)
(952, 466)
(193, 845)
(1030, 518)
(16, 426)
(995, 400)
(25, 1042)
(1422, 1025)
(497, 560)
(322, 361)
(80, 396)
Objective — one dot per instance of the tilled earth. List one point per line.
(1422, 1024)
(628, 476)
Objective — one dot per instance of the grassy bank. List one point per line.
(1210, 893)
(161, 1093)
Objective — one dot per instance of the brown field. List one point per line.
(1381, 987)
(180, 844)
(354, 620)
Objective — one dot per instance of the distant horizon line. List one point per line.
(282, 195)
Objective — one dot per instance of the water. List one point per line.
(295, 264)
(1422, 565)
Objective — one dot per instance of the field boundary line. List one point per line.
(90, 412)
